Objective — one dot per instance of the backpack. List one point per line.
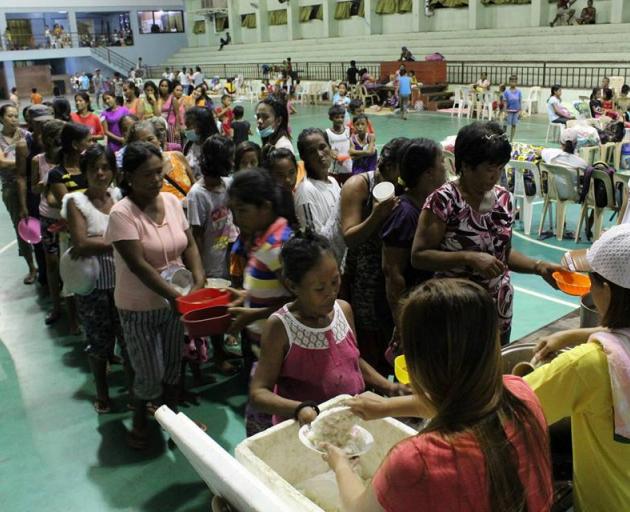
(601, 199)
(614, 132)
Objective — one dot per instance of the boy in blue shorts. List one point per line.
(513, 100)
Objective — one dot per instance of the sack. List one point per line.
(434, 57)
(601, 198)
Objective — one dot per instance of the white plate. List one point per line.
(364, 439)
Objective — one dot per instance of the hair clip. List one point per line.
(495, 136)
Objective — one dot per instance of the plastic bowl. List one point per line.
(573, 283)
(400, 370)
(204, 298)
(30, 230)
(210, 321)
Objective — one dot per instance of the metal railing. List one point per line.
(64, 40)
(571, 75)
(115, 59)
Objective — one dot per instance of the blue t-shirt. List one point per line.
(404, 86)
(513, 100)
(85, 83)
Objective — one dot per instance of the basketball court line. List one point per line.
(549, 298)
(8, 246)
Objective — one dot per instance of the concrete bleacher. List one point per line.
(587, 44)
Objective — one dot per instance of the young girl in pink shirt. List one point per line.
(309, 351)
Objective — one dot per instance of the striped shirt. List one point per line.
(261, 273)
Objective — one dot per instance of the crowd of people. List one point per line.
(328, 284)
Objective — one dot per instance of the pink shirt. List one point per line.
(429, 470)
(163, 244)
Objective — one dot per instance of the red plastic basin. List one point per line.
(210, 321)
(204, 298)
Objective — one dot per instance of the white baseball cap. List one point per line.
(609, 256)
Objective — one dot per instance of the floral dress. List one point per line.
(489, 232)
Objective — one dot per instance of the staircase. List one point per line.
(113, 60)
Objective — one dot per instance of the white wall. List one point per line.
(505, 16)
(448, 19)
(312, 29)
(396, 23)
(352, 27)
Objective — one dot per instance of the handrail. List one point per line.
(114, 58)
(569, 74)
(20, 42)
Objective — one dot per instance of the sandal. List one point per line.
(30, 278)
(102, 406)
(137, 440)
(52, 317)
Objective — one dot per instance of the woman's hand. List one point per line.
(546, 270)
(382, 210)
(548, 346)
(335, 457)
(242, 317)
(486, 264)
(237, 297)
(306, 415)
(367, 407)
(397, 389)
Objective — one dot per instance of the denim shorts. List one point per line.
(512, 118)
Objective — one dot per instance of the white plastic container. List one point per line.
(383, 191)
(278, 458)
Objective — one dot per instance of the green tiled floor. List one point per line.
(57, 455)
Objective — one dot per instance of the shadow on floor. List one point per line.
(175, 496)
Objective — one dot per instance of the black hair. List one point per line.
(336, 110)
(358, 118)
(175, 83)
(403, 72)
(14, 89)
(131, 84)
(307, 132)
(256, 186)
(362, 71)
(354, 104)
(625, 89)
(133, 117)
(204, 120)
(108, 93)
(34, 90)
(93, 153)
(5, 107)
(239, 111)
(56, 91)
(554, 89)
(223, 96)
(595, 93)
(301, 253)
(167, 81)
(51, 129)
(277, 154)
(217, 157)
(62, 109)
(136, 154)
(391, 152)
(198, 68)
(481, 142)
(85, 97)
(353, 63)
(418, 155)
(279, 110)
(243, 148)
(72, 132)
(150, 83)
(608, 94)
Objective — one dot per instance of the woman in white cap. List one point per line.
(591, 383)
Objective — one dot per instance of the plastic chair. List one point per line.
(371, 97)
(449, 163)
(622, 180)
(561, 189)
(532, 98)
(458, 102)
(590, 204)
(590, 154)
(554, 130)
(607, 153)
(527, 202)
(487, 110)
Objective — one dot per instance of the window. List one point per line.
(159, 22)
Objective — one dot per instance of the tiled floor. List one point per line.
(57, 455)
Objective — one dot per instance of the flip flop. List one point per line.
(30, 279)
(102, 406)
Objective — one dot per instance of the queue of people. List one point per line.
(328, 286)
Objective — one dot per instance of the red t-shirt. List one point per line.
(426, 472)
(228, 117)
(91, 121)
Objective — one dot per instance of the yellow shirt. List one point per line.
(577, 384)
